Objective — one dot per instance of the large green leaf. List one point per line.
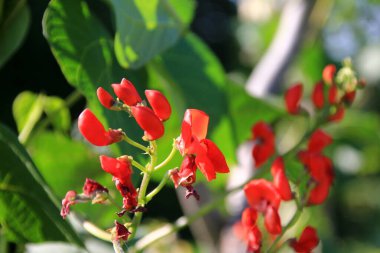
(145, 28)
(84, 51)
(28, 209)
(14, 24)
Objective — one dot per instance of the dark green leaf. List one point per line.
(145, 28)
(28, 210)
(14, 24)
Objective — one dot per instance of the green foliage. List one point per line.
(86, 58)
(28, 108)
(14, 24)
(28, 209)
(145, 28)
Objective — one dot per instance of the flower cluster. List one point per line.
(198, 152)
(330, 97)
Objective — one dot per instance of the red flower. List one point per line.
(318, 141)
(292, 98)
(318, 95)
(307, 241)
(193, 143)
(91, 187)
(328, 74)
(159, 103)
(264, 148)
(105, 98)
(127, 92)
(248, 231)
(322, 175)
(187, 174)
(263, 197)
(349, 97)
(121, 232)
(120, 169)
(69, 200)
(280, 181)
(338, 115)
(149, 122)
(91, 128)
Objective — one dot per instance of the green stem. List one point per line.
(96, 231)
(156, 190)
(117, 247)
(143, 187)
(139, 166)
(290, 224)
(168, 158)
(179, 224)
(135, 144)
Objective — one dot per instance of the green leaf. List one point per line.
(14, 24)
(28, 209)
(145, 28)
(245, 111)
(57, 112)
(84, 51)
(27, 110)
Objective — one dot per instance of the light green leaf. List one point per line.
(145, 28)
(14, 24)
(57, 112)
(27, 110)
(28, 209)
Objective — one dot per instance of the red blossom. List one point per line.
(159, 104)
(121, 232)
(193, 144)
(187, 173)
(307, 241)
(318, 141)
(91, 128)
(318, 95)
(69, 200)
(328, 74)
(120, 167)
(280, 181)
(293, 97)
(148, 121)
(105, 98)
(127, 92)
(91, 187)
(264, 148)
(349, 97)
(264, 198)
(248, 231)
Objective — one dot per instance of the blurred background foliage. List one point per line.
(200, 53)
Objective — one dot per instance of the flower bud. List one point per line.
(105, 98)
(317, 96)
(292, 98)
(328, 74)
(127, 92)
(121, 233)
(148, 121)
(159, 104)
(69, 200)
(338, 115)
(91, 128)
